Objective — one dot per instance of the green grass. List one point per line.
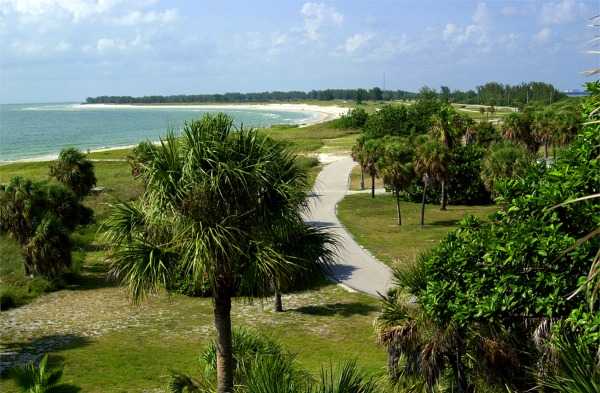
(115, 154)
(372, 222)
(312, 138)
(355, 180)
(314, 326)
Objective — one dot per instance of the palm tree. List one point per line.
(211, 199)
(75, 171)
(431, 163)
(371, 153)
(518, 128)
(503, 161)
(544, 129)
(397, 167)
(448, 127)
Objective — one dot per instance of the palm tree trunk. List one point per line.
(423, 205)
(398, 207)
(554, 152)
(372, 185)
(443, 200)
(546, 152)
(362, 178)
(225, 366)
(278, 303)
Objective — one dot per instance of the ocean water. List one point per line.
(30, 131)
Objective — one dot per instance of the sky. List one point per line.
(67, 50)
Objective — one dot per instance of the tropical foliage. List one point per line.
(74, 171)
(494, 300)
(40, 217)
(214, 199)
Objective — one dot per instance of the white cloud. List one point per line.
(76, 10)
(543, 35)
(564, 11)
(481, 16)
(134, 18)
(278, 39)
(110, 45)
(472, 34)
(316, 15)
(357, 41)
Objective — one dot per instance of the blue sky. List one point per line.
(66, 50)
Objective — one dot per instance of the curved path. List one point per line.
(356, 268)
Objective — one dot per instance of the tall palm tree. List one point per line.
(447, 127)
(397, 167)
(210, 202)
(431, 163)
(372, 149)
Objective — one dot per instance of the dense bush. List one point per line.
(74, 171)
(355, 118)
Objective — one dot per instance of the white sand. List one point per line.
(320, 115)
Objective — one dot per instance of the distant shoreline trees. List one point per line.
(491, 93)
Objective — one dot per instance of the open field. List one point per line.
(372, 222)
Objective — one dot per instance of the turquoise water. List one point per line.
(42, 130)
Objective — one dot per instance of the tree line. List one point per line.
(498, 94)
(375, 94)
(491, 93)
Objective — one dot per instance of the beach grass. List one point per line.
(372, 223)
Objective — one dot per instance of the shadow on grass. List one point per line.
(342, 309)
(20, 353)
(93, 276)
(443, 223)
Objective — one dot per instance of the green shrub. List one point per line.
(355, 118)
(75, 171)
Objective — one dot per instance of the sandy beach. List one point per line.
(322, 113)
(318, 114)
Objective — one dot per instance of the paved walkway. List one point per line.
(355, 268)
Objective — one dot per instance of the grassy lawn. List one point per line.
(138, 345)
(312, 138)
(372, 222)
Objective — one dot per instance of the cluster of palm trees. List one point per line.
(41, 215)
(225, 206)
(510, 147)
(546, 127)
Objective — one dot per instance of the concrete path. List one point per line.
(356, 268)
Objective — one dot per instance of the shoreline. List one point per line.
(321, 114)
